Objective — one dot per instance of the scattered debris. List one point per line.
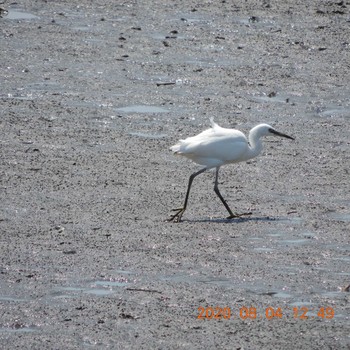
(144, 290)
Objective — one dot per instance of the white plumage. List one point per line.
(214, 147)
(217, 146)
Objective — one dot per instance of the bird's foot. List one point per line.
(177, 216)
(234, 216)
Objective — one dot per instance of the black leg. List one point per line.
(178, 215)
(216, 189)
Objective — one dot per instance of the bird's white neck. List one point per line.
(255, 143)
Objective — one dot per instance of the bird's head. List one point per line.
(267, 130)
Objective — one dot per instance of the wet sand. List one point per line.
(93, 96)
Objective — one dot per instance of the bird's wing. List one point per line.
(218, 143)
(211, 133)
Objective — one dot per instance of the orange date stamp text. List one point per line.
(269, 313)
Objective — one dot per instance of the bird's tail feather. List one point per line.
(176, 148)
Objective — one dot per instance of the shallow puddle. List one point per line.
(98, 288)
(142, 109)
(79, 290)
(99, 292)
(343, 258)
(111, 283)
(291, 220)
(19, 96)
(297, 242)
(3, 298)
(335, 111)
(14, 329)
(334, 294)
(278, 98)
(276, 234)
(340, 217)
(18, 14)
(211, 63)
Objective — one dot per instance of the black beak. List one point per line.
(273, 131)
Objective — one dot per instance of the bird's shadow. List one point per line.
(237, 220)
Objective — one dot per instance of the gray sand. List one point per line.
(93, 95)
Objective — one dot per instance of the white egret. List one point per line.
(218, 146)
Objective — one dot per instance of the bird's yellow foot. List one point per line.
(234, 216)
(177, 216)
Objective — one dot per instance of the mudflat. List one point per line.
(93, 94)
